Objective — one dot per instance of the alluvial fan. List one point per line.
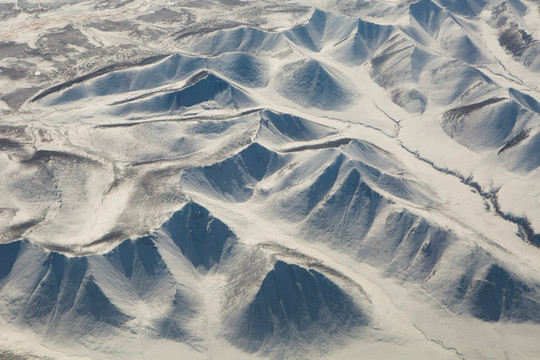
(268, 179)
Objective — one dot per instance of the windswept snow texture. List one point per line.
(266, 179)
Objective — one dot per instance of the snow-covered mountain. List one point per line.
(230, 179)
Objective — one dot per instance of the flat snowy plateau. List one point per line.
(269, 179)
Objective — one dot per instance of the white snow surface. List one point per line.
(269, 179)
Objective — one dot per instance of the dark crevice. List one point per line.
(526, 231)
(325, 145)
(522, 135)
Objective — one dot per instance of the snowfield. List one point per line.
(301, 179)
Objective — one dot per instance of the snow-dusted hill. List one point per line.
(230, 179)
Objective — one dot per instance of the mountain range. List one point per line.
(270, 179)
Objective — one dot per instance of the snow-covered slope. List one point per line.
(229, 179)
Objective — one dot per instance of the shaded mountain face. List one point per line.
(241, 179)
(72, 296)
(295, 306)
(54, 294)
(202, 238)
(67, 297)
(311, 84)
